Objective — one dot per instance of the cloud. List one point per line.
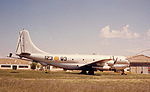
(124, 33)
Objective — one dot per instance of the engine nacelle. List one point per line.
(120, 66)
(111, 62)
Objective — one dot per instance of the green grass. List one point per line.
(61, 81)
(31, 74)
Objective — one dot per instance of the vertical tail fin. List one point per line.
(25, 44)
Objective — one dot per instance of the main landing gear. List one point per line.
(90, 72)
(83, 72)
(123, 73)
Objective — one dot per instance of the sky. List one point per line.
(107, 27)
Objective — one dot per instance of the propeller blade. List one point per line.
(113, 58)
(116, 60)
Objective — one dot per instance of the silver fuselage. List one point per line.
(74, 62)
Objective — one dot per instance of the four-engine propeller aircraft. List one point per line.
(26, 48)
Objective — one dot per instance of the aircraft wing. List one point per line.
(99, 63)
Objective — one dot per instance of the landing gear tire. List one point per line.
(123, 73)
(83, 72)
(91, 72)
(115, 70)
(65, 69)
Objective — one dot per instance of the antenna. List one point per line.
(143, 51)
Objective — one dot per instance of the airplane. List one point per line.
(88, 64)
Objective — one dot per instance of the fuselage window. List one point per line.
(83, 59)
(72, 59)
(93, 59)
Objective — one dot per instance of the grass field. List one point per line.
(60, 81)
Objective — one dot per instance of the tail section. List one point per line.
(25, 44)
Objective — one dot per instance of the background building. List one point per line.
(10, 63)
(139, 64)
(7, 63)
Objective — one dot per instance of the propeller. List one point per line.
(115, 60)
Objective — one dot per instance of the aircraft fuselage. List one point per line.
(74, 62)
